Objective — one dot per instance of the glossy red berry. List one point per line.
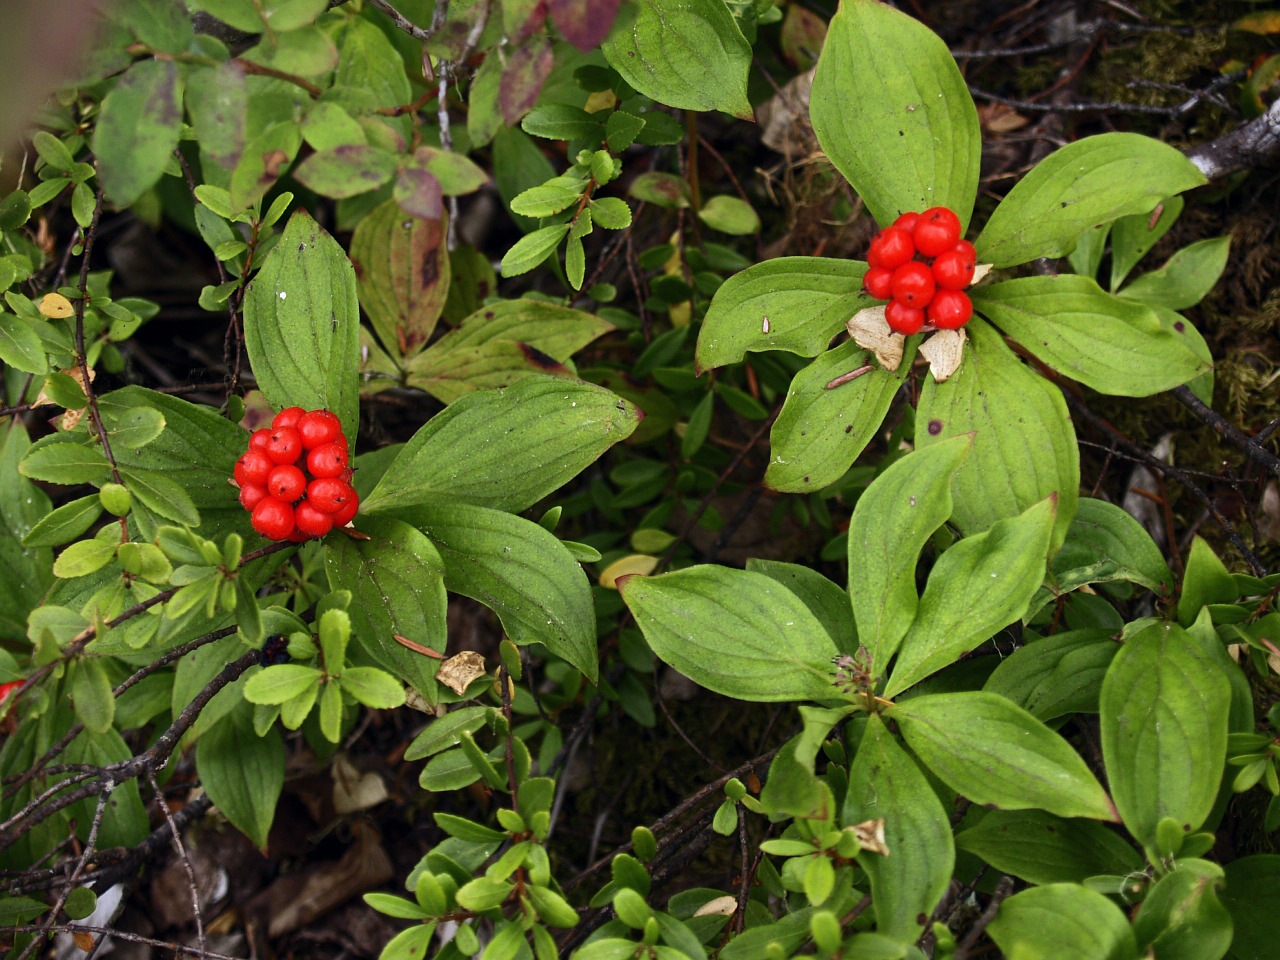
(311, 521)
(903, 319)
(891, 248)
(348, 512)
(328, 460)
(259, 439)
(937, 231)
(253, 467)
(284, 445)
(273, 519)
(913, 284)
(950, 310)
(329, 494)
(288, 417)
(252, 494)
(878, 282)
(318, 427)
(953, 269)
(907, 221)
(297, 536)
(287, 483)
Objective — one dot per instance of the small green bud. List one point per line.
(115, 498)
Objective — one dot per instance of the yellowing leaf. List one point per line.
(56, 307)
(639, 563)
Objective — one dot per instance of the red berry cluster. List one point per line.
(930, 287)
(295, 477)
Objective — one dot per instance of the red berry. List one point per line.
(253, 467)
(890, 248)
(297, 536)
(344, 516)
(903, 319)
(937, 231)
(913, 284)
(273, 519)
(878, 282)
(311, 521)
(907, 221)
(329, 494)
(953, 269)
(284, 445)
(252, 494)
(288, 417)
(287, 483)
(950, 310)
(328, 460)
(317, 427)
(259, 439)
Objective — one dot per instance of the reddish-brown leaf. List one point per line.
(522, 80)
(803, 33)
(584, 23)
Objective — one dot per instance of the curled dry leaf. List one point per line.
(870, 330)
(458, 671)
(719, 907)
(870, 834)
(980, 271)
(943, 351)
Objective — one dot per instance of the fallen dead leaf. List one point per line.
(56, 307)
(870, 834)
(354, 791)
(944, 351)
(458, 671)
(870, 330)
(719, 907)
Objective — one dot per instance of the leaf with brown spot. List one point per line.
(403, 269)
(527, 69)
(802, 36)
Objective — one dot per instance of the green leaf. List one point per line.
(891, 523)
(264, 160)
(1205, 581)
(561, 121)
(1085, 183)
(997, 754)
(1106, 543)
(217, 100)
(1057, 675)
(1040, 848)
(521, 572)
(1252, 897)
(885, 782)
(806, 301)
(281, 682)
(665, 190)
(1064, 921)
(1025, 446)
(402, 264)
(91, 695)
(611, 213)
(456, 173)
(730, 215)
(1133, 237)
(83, 558)
(21, 346)
(820, 430)
(911, 141)
(396, 579)
(138, 129)
(161, 494)
(505, 449)
(691, 56)
(981, 584)
(346, 171)
(1186, 277)
(17, 910)
(825, 600)
(531, 249)
(549, 198)
(65, 523)
(1110, 344)
(1164, 713)
(241, 14)
(302, 324)
(242, 773)
(734, 632)
(453, 371)
(59, 458)
(1182, 918)
(411, 944)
